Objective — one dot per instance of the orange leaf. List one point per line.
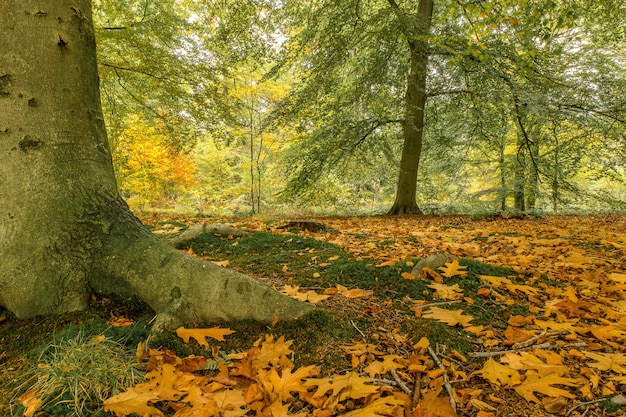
(407, 275)
(120, 322)
(132, 401)
(432, 405)
(30, 401)
(450, 317)
(200, 335)
(452, 268)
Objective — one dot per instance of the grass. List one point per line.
(74, 376)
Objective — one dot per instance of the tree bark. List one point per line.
(415, 102)
(64, 230)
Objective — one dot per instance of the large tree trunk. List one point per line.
(64, 230)
(415, 101)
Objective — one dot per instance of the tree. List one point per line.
(364, 65)
(415, 29)
(65, 231)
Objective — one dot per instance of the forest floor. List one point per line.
(529, 320)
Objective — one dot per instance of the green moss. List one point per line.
(437, 333)
(310, 335)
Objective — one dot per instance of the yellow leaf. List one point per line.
(356, 293)
(132, 401)
(200, 335)
(608, 361)
(285, 268)
(313, 297)
(450, 317)
(555, 405)
(544, 385)
(408, 275)
(447, 292)
(281, 386)
(120, 322)
(383, 406)
(498, 374)
(481, 405)
(223, 263)
(422, 344)
(452, 268)
(432, 405)
(388, 363)
(30, 401)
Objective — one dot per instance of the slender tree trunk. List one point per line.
(519, 181)
(533, 175)
(64, 230)
(503, 189)
(415, 102)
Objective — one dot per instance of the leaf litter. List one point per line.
(561, 355)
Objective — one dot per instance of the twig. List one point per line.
(383, 381)
(502, 352)
(529, 342)
(401, 384)
(446, 383)
(358, 330)
(441, 303)
(417, 390)
(571, 410)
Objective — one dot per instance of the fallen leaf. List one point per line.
(535, 382)
(452, 268)
(498, 374)
(120, 322)
(432, 405)
(131, 401)
(407, 275)
(200, 335)
(30, 401)
(450, 317)
(608, 361)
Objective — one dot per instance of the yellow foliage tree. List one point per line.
(148, 170)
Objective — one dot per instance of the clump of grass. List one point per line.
(74, 376)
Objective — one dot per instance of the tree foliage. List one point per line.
(523, 102)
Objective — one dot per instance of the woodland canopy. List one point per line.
(274, 107)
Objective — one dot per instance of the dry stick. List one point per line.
(529, 342)
(358, 330)
(401, 384)
(417, 390)
(571, 410)
(446, 383)
(442, 303)
(502, 352)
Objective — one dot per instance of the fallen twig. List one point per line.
(571, 410)
(417, 390)
(529, 342)
(446, 382)
(502, 352)
(441, 303)
(401, 384)
(358, 330)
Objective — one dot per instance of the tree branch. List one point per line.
(450, 92)
(116, 67)
(375, 125)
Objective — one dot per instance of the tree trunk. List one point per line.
(533, 174)
(519, 182)
(64, 230)
(415, 101)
